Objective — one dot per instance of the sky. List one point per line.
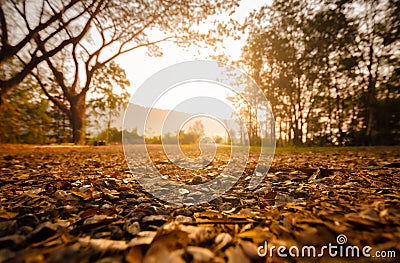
(139, 66)
(190, 97)
(178, 94)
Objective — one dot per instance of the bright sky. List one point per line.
(183, 92)
(140, 67)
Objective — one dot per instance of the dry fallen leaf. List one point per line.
(257, 235)
(8, 215)
(134, 255)
(200, 254)
(104, 244)
(236, 255)
(222, 240)
(81, 194)
(83, 204)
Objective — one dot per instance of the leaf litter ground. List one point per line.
(81, 204)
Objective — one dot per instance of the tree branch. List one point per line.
(4, 33)
(11, 51)
(43, 87)
(57, 102)
(6, 85)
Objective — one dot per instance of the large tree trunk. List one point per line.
(77, 119)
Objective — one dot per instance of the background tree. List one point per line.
(25, 117)
(107, 103)
(193, 135)
(378, 59)
(329, 69)
(111, 135)
(60, 128)
(197, 128)
(119, 27)
(248, 110)
(132, 136)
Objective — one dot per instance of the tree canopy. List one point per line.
(329, 68)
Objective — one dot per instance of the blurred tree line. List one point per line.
(330, 69)
(192, 136)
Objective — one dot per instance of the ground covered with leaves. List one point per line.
(82, 204)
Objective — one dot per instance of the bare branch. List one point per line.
(6, 85)
(120, 52)
(4, 33)
(12, 50)
(23, 16)
(41, 12)
(43, 87)
(57, 102)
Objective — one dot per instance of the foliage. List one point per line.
(197, 128)
(60, 128)
(132, 137)
(193, 135)
(110, 135)
(188, 137)
(25, 117)
(328, 71)
(218, 139)
(106, 103)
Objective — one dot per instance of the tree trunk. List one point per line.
(77, 119)
(297, 140)
(280, 133)
(1, 102)
(371, 100)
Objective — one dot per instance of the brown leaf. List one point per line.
(250, 249)
(158, 253)
(89, 213)
(198, 235)
(200, 254)
(222, 240)
(257, 235)
(236, 255)
(132, 228)
(143, 238)
(163, 244)
(83, 195)
(104, 244)
(8, 215)
(134, 255)
(99, 219)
